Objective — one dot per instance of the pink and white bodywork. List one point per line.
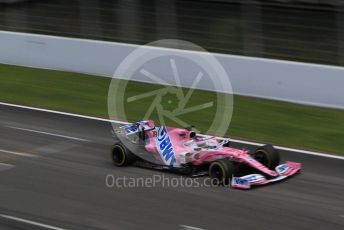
(176, 147)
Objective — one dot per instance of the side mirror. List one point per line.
(192, 134)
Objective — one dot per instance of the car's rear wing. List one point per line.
(137, 127)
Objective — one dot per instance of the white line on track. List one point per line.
(18, 153)
(4, 166)
(62, 113)
(187, 227)
(50, 134)
(292, 150)
(30, 222)
(319, 154)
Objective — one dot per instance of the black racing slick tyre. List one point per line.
(121, 156)
(267, 155)
(221, 171)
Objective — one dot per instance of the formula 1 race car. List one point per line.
(185, 151)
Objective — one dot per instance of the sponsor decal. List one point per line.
(281, 169)
(133, 128)
(165, 147)
(130, 129)
(240, 183)
(253, 178)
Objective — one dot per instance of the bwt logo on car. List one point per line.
(165, 146)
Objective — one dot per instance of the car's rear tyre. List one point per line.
(267, 155)
(221, 171)
(121, 156)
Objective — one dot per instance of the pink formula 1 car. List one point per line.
(185, 151)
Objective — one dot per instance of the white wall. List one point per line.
(282, 80)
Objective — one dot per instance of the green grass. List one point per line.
(276, 122)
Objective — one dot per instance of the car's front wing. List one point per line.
(284, 171)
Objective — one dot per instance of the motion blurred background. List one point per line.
(304, 30)
(310, 31)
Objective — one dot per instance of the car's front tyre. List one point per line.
(221, 171)
(267, 155)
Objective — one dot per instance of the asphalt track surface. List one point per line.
(53, 170)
